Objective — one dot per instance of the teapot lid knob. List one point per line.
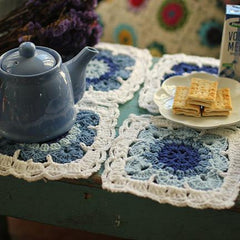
(27, 49)
(28, 59)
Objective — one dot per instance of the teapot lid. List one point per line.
(28, 60)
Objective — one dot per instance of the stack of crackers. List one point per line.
(202, 98)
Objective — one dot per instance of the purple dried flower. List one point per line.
(64, 25)
(75, 3)
(31, 27)
(83, 4)
(61, 28)
(35, 2)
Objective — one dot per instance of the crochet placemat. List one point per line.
(172, 65)
(77, 154)
(117, 72)
(164, 161)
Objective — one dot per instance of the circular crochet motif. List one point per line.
(137, 4)
(64, 149)
(156, 49)
(183, 68)
(172, 14)
(210, 33)
(103, 71)
(125, 34)
(179, 156)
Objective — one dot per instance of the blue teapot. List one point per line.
(38, 92)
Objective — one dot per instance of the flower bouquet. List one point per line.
(64, 25)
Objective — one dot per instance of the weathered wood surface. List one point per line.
(92, 209)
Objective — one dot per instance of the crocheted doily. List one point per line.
(158, 159)
(117, 72)
(77, 154)
(168, 66)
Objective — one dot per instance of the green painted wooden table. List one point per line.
(83, 204)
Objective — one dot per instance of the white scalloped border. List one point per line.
(128, 87)
(162, 67)
(115, 178)
(90, 163)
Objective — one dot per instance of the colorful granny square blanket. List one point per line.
(164, 161)
(117, 72)
(172, 65)
(165, 26)
(77, 154)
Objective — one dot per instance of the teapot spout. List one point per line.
(77, 67)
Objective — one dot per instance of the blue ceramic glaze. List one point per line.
(36, 93)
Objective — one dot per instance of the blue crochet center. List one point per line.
(104, 69)
(178, 156)
(182, 68)
(63, 149)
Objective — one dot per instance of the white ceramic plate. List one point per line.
(165, 95)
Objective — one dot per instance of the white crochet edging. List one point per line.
(115, 178)
(143, 61)
(80, 168)
(162, 67)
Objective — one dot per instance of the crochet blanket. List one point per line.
(165, 26)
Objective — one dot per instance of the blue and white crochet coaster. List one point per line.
(164, 161)
(172, 65)
(77, 154)
(117, 72)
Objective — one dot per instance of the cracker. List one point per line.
(222, 106)
(180, 106)
(202, 92)
(216, 114)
